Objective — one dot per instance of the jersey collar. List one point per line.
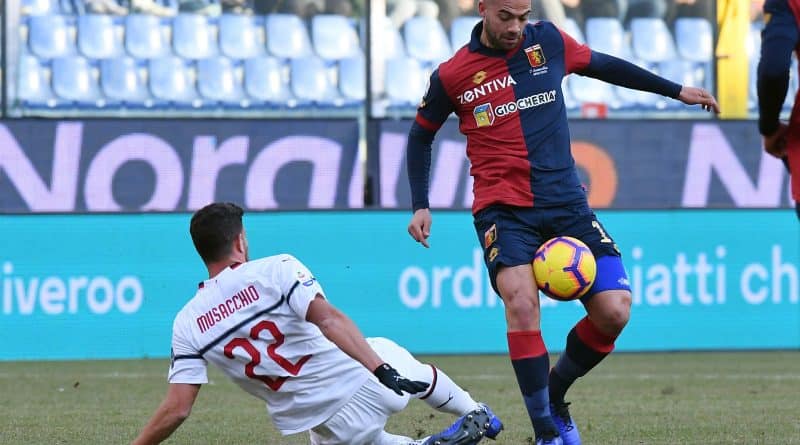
(475, 44)
(202, 284)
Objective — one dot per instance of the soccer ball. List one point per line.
(564, 268)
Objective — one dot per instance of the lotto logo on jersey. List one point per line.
(535, 55)
(484, 115)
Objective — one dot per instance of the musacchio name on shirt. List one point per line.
(240, 300)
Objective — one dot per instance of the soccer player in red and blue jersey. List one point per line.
(505, 87)
(781, 36)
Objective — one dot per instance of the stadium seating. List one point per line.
(241, 36)
(172, 82)
(652, 40)
(287, 36)
(334, 37)
(219, 81)
(123, 82)
(312, 84)
(75, 81)
(147, 37)
(281, 61)
(605, 34)
(588, 90)
(99, 36)
(388, 38)
(405, 82)
(266, 81)
(461, 30)
(194, 36)
(694, 38)
(352, 79)
(33, 83)
(51, 36)
(426, 40)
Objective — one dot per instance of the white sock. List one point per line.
(445, 396)
(392, 439)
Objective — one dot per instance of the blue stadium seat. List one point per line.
(388, 38)
(588, 90)
(75, 80)
(461, 30)
(99, 36)
(51, 36)
(123, 80)
(638, 100)
(38, 7)
(241, 36)
(405, 82)
(353, 79)
(682, 72)
(425, 40)
(652, 40)
(571, 27)
(695, 39)
(311, 82)
(219, 80)
(33, 83)
(172, 82)
(287, 36)
(606, 35)
(147, 36)
(334, 37)
(194, 36)
(266, 81)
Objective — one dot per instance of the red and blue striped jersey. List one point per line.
(511, 108)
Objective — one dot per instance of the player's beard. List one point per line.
(503, 42)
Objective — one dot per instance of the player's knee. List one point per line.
(610, 311)
(618, 313)
(522, 310)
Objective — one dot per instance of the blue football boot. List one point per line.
(566, 427)
(495, 425)
(469, 429)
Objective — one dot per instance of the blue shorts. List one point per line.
(510, 236)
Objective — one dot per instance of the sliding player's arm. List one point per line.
(174, 409)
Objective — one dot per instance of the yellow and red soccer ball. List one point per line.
(564, 268)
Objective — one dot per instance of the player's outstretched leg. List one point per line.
(469, 429)
(586, 348)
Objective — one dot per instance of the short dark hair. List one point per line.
(214, 228)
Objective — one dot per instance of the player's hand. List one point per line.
(397, 383)
(420, 226)
(775, 144)
(699, 96)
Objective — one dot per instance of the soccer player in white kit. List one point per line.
(269, 327)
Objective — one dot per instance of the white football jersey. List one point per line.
(250, 321)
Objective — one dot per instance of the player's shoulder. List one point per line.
(272, 262)
(460, 62)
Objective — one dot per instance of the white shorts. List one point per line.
(361, 420)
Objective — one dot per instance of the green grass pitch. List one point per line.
(668, 398)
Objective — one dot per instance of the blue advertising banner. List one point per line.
(108, 286)
(177, 165)
(655, 164)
